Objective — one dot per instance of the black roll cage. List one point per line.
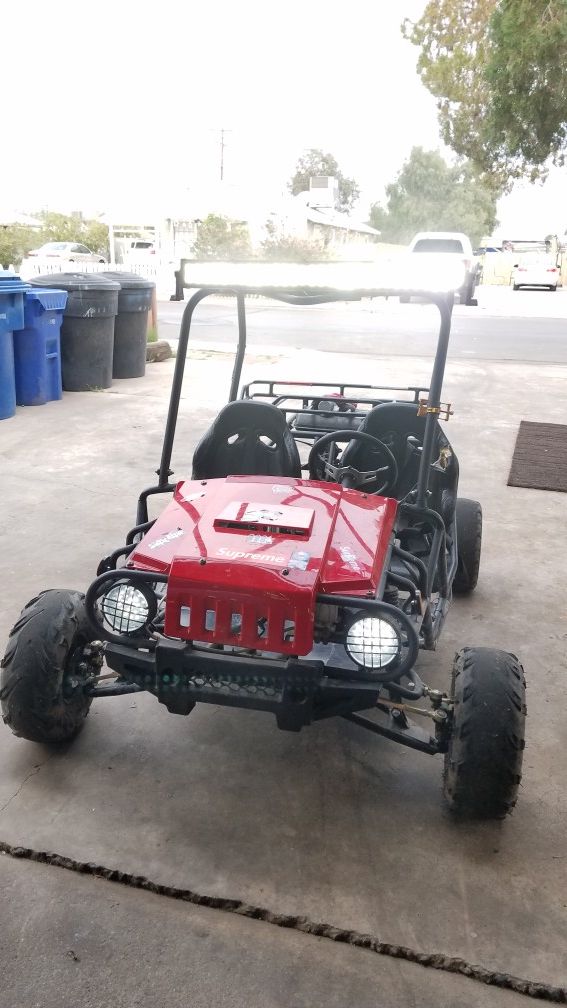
(310, 296)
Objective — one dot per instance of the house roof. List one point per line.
(332, 218)
(11, 217)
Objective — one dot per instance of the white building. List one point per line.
(172, 221)
(311, 215)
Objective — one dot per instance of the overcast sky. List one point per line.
(123, 102)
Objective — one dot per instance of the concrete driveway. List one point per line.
(331, 824)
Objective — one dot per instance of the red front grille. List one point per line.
(240, 605)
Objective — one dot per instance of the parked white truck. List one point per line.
(459, 248)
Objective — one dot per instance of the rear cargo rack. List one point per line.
(297, 400)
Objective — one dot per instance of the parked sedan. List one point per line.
(67, 252)
(536, 272)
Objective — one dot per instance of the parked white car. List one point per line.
(456, 245)
(66, 252)
(140, 248)
(536, 271)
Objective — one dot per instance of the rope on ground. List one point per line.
(430, 960)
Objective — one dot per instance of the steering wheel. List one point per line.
(320, 467)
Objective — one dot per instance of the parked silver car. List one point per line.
(67, 252)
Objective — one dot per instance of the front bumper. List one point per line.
(298, 691)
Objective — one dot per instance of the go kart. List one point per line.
(302, 587)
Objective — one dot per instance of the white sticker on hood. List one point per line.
(299, 559)
(350, 559)
(262, 513)
(267, 558)
(174, 534)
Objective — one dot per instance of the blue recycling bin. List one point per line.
(37, 347)
(12, 290)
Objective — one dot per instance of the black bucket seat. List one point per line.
(393, 423)
(248, 438)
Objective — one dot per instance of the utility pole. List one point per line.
(222, 133)
(222, 147)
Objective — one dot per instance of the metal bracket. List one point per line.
(443, 411)
(445, 457)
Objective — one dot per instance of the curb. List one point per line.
(158, 351)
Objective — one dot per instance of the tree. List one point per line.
(221, 238)
(431, 195)
(288, 248)
(95, 237)
(527, 76)
(315, 162)
(498, 69)
(15, 242)
(74, 228)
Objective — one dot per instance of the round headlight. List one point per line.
(125, 608)
(373, 643)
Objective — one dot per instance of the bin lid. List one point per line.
(129, 281)
(11, 283)
(50, 299)
(75, 281)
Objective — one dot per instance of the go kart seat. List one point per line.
(248, 438)
(393, 423)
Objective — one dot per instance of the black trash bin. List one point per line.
(131, 325)
(87, 332)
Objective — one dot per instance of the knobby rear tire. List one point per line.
(469, 545)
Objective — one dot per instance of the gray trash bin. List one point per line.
(131, 325)
(87, 332)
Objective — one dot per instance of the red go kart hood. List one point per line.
(247, 555)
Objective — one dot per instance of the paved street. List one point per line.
(332, 824)
(525, 325)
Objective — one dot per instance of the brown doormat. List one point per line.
(540, 457)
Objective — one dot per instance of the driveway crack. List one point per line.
(431, 960)
(18, 790)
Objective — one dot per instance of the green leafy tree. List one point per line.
(74, 228)
(15, 242)
(315, 162)
(498, 69)
(431, 195)
(221, 238)
(526, 72)
(288, 248)
(95, 237)
(59, 227)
